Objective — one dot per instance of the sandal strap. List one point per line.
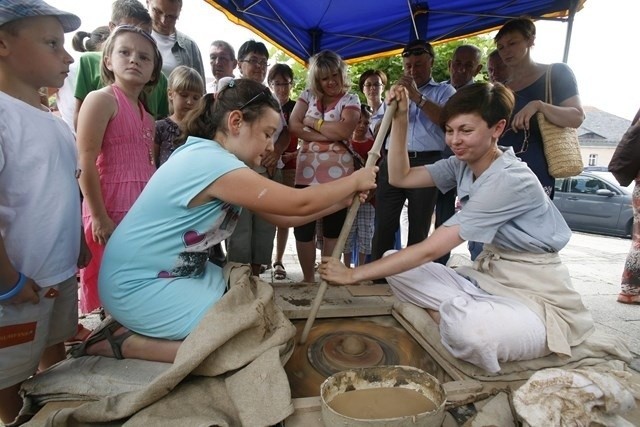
(116, 343)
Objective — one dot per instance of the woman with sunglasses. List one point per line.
(527, 79)
(155, 278)
(517, 301)
(324, 117)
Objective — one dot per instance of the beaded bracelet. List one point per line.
(22, 279)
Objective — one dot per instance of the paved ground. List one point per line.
(595, 264)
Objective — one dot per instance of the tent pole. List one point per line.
(567, 43)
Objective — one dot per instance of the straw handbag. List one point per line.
(561, 146)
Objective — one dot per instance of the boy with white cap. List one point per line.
(40, 228)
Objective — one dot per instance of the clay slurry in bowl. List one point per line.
(381, 403)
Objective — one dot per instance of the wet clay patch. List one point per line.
(381, 403)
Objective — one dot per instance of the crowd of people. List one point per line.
(159, 156)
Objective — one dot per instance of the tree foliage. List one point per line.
(392, 66)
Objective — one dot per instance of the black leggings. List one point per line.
(331, 226)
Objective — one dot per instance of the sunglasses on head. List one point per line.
(415, 52)
(265, 93)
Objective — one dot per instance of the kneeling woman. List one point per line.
(155, 278)
(517, 302)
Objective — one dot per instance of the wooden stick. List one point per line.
(372, 159)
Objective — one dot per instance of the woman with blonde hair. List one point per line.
(324, 118)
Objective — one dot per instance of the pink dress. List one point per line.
(125, 166)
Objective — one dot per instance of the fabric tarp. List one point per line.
(359, 30)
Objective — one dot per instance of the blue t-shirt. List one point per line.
(155, 277)
(505, 206)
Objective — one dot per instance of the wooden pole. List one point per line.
(372, 159)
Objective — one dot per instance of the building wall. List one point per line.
(602, 155)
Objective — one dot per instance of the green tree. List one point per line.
(392, 65)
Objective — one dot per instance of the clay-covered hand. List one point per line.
(522, 119)
(335, 272)
(102, 229)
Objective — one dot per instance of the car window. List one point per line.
(578, 184)
(592, 185)
(559, 184)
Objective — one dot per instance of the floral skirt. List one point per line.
(631, 272)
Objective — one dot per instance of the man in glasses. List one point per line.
(252, 239)
(222, 58)
(425, 145)
(175, 47)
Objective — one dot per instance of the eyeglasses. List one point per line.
(368, 85)
(281, 84)
(256, 63)
(415, 52)
(263, 93)
(525, 142)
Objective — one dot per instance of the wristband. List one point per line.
(22, 279)
(318, 124)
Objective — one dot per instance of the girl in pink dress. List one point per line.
(115, 144)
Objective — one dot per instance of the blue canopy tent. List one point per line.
(360, 30)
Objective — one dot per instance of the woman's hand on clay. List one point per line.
(335, 272)
(102, 229)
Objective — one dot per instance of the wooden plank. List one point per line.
(295, 301)
(370, 290)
